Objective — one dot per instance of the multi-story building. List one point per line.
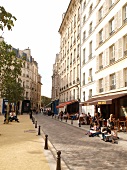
(70, 56)
(31, 81)
(55, 84)
(88, 58)
(110, 50)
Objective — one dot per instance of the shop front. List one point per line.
(115, 104)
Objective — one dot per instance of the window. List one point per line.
(75, 21)
(78, 67)
(101, 61)
(71, 43)
(72, 26)
(90, 9)
(125, 75)
(71, 59)
(74, 54)
(84, 95)
(84, 5)
(112, 53)
(113, 81)
(101, 36)
(90, 50)
(83, 79)
(78, 32)
(74, 75)
(84, 36)
(90, 28)
(101, 85)
(68, 31)
(90, 94)
(125, 13)
(78, 14)
(125, 45)
(90, 75)
(84, 19)
(100, 13)
(111, 3)
(70, 77)
(111, 26)
(84, 55)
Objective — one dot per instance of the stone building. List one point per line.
(70, 58)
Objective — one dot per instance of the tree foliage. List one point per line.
(45, 101)
(10, 70)
(6, 19)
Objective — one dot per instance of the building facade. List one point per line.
(110, 50)
(70, 54)
(31, 81)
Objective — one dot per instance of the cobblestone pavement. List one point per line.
(79, 151)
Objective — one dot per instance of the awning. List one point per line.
(100, 100)
(61, 105)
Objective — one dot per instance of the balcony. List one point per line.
(112, 87)
(126, 84)
(67, 85)
(101, 90)
(125, 20)
(112, 60)
(73, 81)
(100, 42)
(100, 67)
(111, 33)
(70, 83)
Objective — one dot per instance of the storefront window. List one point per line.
(123, 107)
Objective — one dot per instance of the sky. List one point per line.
(37, 27)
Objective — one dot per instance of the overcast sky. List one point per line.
(37, 27)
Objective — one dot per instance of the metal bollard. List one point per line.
(72, 121)
(58, 166)
(39, 132)
(79, 124)
(36, 124)
(46, 142)
(66, 119)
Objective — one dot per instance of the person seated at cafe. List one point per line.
(88, 119)
(13, 116)
(95, 131)
(110, 121)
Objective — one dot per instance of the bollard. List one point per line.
(46, 142)
(72, 121)
(66, 119)
(36, 124)
(79, 124)
(39, 132)
(58, 166)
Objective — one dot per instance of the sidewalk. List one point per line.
(122, 135)
(21, 148)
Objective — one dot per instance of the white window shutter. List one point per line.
(119, 18)
(120, 48)
(121, 78)
(117, 80)
(116, 51)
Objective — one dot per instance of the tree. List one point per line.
(6, 19)
(45, 101)
(10, 70)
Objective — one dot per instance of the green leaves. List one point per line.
(10, 70)
(6, 19)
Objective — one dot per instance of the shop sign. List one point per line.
(102, 102)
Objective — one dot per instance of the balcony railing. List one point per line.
(125, 20)
(101, 90)
(112, 87)
(112, 32)
(112, 60)
(73, 81)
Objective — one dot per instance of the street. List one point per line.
(79, 151)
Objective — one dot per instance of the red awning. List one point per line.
(61, 105)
